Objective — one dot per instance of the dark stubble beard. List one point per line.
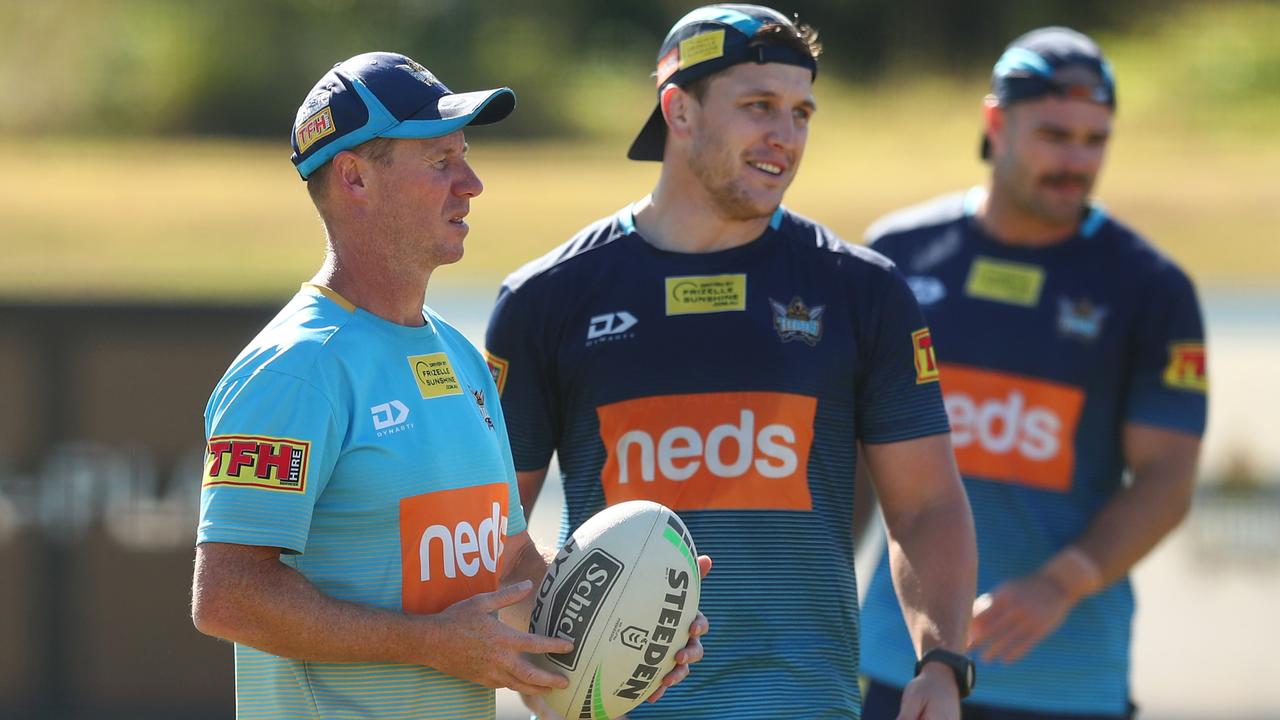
(1023, 191)
(714, 165)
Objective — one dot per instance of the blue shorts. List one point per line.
(880, 702)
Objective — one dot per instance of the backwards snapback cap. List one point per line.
(707, 41)
(1054, 61)
(383, 94)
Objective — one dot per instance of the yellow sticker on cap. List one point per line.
(701, 48)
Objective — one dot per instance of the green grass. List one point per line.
(231, 221)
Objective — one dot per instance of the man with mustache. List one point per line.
(361, 539)
(708, 349)
(1071, 353)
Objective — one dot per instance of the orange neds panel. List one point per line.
(451, 545)
(1012, 428)
(734, 450)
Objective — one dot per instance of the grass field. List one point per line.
(211, 219)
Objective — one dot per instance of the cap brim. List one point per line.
(652, 140)
(456, 111)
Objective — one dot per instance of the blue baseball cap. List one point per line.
(706, 41)
(384, 94)
(1052, 61)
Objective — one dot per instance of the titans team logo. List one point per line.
(422, 74)
(797, 321)
(1081, 319)
(478, 396)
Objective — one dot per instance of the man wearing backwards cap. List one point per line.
(708, 349)
(1072, 351)
(360, 521)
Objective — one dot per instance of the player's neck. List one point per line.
(1004, 221)
(384, 292)
(682, 220)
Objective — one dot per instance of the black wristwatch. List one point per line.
(962, 666)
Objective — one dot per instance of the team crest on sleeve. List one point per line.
(925, 359)
(267, 463)
(796, 321)
(1187, 369)
(498, 369)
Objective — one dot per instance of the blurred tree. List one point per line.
(240, 67)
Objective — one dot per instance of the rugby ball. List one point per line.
(623, 590)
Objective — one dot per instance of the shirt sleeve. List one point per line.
(898, 396)
(273, 441)
(517, 352)
(1168, 379)
(516, 520)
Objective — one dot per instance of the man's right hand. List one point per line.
(931, 695)
(472, 644)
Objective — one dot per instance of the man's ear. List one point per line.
(678, 108)
(994, 118)
(349, 174)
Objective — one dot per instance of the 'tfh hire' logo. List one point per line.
(576, 601)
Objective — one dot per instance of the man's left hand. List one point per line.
(1016, 616)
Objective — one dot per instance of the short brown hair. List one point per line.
(800, 38)
(377, 150)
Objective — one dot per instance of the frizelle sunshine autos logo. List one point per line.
(1004, 281)
(699, 294)
(434, 375)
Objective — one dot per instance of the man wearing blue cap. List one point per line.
(1072, 354)
(360, 523)
(707, 349)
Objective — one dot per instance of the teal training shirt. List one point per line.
(376, 457)
(1045, 354)
(730, 386)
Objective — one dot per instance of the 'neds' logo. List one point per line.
(1012, 428)
(451, 545)
(710, 450)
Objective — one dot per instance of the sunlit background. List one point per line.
(150, 222)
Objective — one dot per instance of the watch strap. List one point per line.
(961, 666)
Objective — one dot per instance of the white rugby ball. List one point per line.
(623, 589)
